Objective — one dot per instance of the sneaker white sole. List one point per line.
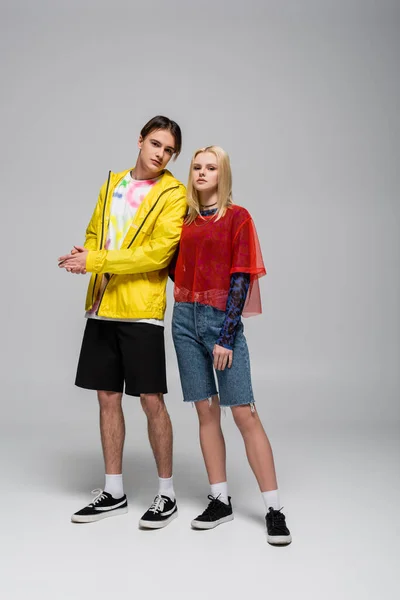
(99, 516)
(210, 525)
(157, 524)
(279, 540)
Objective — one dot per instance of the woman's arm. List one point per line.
(239, 286)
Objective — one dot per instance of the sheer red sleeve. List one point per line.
(247, 258)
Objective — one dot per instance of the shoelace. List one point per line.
(213, 507)
(100, 496)
(277, 518)
(158, 504)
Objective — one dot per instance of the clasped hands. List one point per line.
(75, 262)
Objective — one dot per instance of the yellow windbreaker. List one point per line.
(139, 270)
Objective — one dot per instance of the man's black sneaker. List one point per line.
(217, 512)
(103, 506)
(278, 533)
(161, 512)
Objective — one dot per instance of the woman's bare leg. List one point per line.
(211, 439)
(258, 448)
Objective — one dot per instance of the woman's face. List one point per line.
(205, 172)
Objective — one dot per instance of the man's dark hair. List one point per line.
(161, 122)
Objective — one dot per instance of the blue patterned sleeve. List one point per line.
(239, 287)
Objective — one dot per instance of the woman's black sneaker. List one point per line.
(217, 512)
(278, 533)
(103, 506)
(161, 512)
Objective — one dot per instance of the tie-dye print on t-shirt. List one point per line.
(127, 198)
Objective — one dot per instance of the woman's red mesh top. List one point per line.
(210, 251)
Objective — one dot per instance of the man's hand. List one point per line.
(222, 357)
(75, 262)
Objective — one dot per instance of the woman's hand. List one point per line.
(222, 357)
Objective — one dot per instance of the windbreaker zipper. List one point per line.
(135, 236)
(102, 231)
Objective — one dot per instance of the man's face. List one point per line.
(156, 150)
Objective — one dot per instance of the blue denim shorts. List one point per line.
(195, 330)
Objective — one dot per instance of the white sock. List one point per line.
(271, 499)
(166, 487)
(220, 491)
(114, 486)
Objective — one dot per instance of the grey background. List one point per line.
(304, 96)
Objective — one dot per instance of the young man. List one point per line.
(130, 240)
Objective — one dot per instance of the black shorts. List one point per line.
(114, 353)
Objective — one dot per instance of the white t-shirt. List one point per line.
(127, 198)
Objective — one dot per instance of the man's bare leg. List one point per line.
(160, 432)
(112, 429)
(164, 508)
(112, 501)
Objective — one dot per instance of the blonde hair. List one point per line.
(224, 184)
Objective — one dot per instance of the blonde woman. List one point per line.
(216, 282)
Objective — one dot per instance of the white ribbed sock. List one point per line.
(220, 491)
(271, 499)
(166, 487)
(114, 486)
